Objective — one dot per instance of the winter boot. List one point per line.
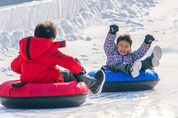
(156, 56)
(95, 84)
(135, 68)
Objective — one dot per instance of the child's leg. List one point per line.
(67, 75)
(122, 67)
(95, 84)
(146, 63)
(153, 60)
(135, 68)
(130, 69)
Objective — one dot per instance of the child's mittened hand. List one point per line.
(113, 29)
(83, 71)
(149, 39)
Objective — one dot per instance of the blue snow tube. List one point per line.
(121, 82)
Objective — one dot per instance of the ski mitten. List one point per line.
(79, 75)
(113, 29)
(149, 39)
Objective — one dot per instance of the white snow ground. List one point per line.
(85, 34)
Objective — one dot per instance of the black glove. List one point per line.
(78, 76)
(113, 29)
(149, 39)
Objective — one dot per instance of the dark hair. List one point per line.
(124, 37)
(45, 30)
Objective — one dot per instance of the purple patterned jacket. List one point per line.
(113, 56)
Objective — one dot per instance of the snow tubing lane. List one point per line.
(43, 95)
(121, 82)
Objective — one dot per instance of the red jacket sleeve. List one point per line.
(67, 62)
(15, 65)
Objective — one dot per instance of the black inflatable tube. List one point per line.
(43, 102)
(129, 86)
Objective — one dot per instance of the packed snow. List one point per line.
(84, 24)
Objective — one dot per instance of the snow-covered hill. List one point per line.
(13, 2)
(85, 27)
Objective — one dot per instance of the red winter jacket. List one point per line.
(38, 59)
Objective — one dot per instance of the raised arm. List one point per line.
(109, 44)
(142, 50)
(144, 47)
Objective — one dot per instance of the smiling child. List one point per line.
(121, 58)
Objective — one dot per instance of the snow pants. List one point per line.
(125, 67)
(68, 76)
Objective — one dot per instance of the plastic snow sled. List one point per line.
(121, 82)
(43, 95)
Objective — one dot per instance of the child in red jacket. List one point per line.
(39, 56)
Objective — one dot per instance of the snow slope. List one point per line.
(13, 2)
(85, 33)
(27, 15)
